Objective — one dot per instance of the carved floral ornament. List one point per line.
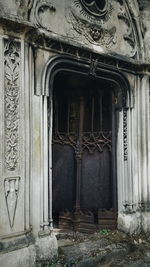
(12, 86)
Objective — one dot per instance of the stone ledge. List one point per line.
(28, 251)
(15, 243)
(25, 257)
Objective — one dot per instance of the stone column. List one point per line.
(46, 243)
(133, 173)
(145, 155)
(129, 218)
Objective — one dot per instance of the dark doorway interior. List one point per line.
(83, 151)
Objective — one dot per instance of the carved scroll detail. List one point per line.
(11, 188)
(95, 34)
(43, 11)
(129, 36)
(11, 85)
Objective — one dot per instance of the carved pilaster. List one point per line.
(11, 103)
(12, 197)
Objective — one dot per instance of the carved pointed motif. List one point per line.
(11, 187)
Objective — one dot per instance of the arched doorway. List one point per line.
(81, 81)
(84, 182)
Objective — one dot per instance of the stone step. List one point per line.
(93, 253)
(104, 248)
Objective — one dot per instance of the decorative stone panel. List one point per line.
(11, 100)
(98, 25)
(13, 189)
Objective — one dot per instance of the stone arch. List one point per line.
(96, 70)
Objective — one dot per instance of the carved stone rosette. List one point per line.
(11, 102)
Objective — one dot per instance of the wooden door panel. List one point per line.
(63, 178)
(95, 181)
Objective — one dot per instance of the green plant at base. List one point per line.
(104, 231)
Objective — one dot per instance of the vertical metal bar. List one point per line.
(56, 115)
(50, 156)
(79, 156)
(42, 178)
(68, 116)
(45, 165)
(113, 156)
(92, 121)
(101, 111)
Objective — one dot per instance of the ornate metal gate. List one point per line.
(83, 194)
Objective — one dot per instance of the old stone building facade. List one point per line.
(74, 113)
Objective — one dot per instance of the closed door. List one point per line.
(82, 149)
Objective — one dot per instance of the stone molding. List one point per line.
(43, 41)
